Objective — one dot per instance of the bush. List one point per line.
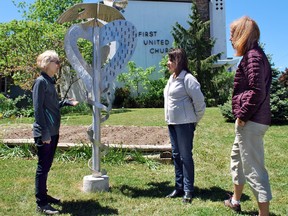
(223, 83)
(154, 97)
(226, 109)
(279, 97)
(122, 97)
(134, 80)
(12, 107)
(82, 108)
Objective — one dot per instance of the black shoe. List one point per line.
(187, 198)
(47, 209)
(53, 200)
(175, 193)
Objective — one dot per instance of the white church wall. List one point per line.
(154, 22)
(218, 26)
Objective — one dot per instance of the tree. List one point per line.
(283, 79)
(198, 46)
(136, 77)
(279, 96)
(21, 42)
(46, 11)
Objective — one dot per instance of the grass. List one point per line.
(136, 117)
(138, 190)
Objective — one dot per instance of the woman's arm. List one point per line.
(38, 104)
(193, 89)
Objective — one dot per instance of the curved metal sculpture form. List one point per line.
(103, 26)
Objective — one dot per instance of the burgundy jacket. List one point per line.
(251, 96)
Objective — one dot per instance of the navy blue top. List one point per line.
(46, 107)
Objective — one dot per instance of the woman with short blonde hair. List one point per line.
(44, 59)
(46, 126)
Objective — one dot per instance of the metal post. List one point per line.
(97, 98)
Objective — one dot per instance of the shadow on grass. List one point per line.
(215, 194)
(86, 208)
(255, 213)
(155, 189)
(161, 189)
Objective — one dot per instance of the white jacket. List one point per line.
(183, 100)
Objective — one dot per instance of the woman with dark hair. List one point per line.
(184, 107)
(251, 108)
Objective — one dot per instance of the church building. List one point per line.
(154, 20)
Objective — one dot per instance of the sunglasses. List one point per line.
(56, 62)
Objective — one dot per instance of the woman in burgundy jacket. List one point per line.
(251, 108)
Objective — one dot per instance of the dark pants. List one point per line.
(45, 154)
(181, 137)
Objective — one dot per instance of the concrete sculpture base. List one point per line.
(93, 184)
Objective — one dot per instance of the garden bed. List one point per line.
(128, 135)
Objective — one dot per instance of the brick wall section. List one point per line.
(203, 8)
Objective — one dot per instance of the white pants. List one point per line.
(247, 159)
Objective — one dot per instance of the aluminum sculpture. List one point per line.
(114, 42)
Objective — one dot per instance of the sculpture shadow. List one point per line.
(86, 208)
(155, 189)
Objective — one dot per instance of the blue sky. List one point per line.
(270, 16)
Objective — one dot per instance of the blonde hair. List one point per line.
(45, 58)
(244, 34)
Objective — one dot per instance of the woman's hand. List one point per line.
(73, 102)
(240, 122)
(46, 141)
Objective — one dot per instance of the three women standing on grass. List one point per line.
(184, 107)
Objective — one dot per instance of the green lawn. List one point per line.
(138, 190)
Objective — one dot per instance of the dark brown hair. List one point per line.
(179, 57)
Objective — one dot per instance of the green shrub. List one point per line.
(82, 108)
(223, 83)
(12, 107)
(226, 109)
(134, 80)
(279, 97)
(122, 97)
(154, 95)
(7, 107)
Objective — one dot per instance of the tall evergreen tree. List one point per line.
(279, 96)
(198, 45)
